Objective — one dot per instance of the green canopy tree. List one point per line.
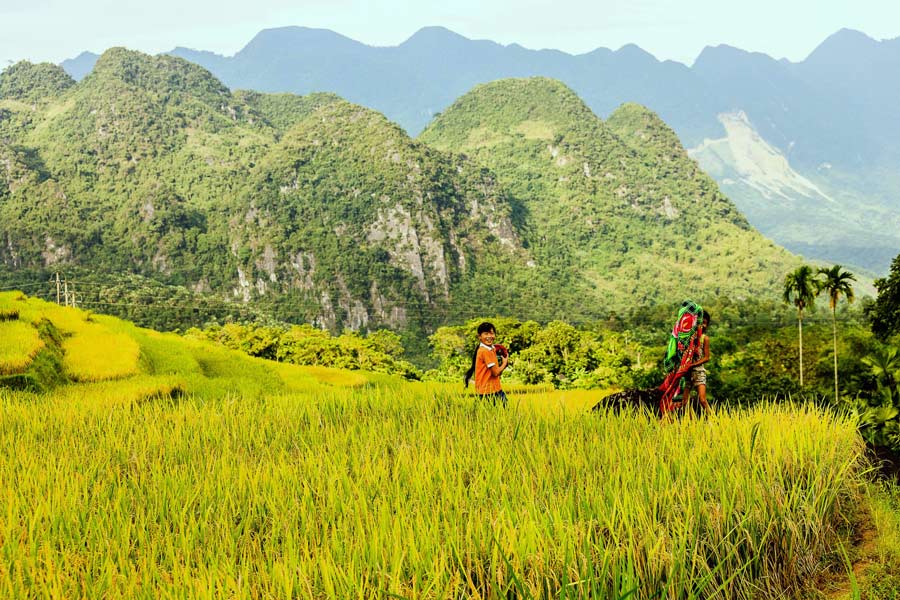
(800, 289)
(885, 312)
(836, 282)
(880, 416)
(884, 363)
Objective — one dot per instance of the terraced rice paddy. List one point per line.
(98, 354)
(20, 344)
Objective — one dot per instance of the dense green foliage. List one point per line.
(379, 352)
(880, 410)
(558, 354)
(283, 111)
(145, 301)
(616, 211)
(29, 82)
(885, 312)
(754, 350)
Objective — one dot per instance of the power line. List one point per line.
(17, 288)
(156, 301)
(161, 302)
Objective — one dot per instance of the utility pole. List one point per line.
(66, 290)
(57, 287)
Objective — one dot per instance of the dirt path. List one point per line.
(865, 546)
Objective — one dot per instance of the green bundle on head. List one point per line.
(689, 319)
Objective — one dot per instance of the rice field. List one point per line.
(199, 472)
(95, 353)
(411, 492)
(19, 343)
(30, 310)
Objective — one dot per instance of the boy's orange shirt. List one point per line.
(485, 381)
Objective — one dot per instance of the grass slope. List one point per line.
(138, 363)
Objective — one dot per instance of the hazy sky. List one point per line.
(53, 30)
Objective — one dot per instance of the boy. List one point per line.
(487, 366)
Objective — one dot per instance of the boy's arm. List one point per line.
(497, 369)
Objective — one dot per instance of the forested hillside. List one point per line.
(313, 209)
(617, 205)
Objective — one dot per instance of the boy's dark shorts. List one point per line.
(495, 397)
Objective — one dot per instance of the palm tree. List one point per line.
(836, 282)
(800, 289)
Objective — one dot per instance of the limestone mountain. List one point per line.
(80, 66)
(617, 207)
(322, 210)
(346, 202)
(518, 200)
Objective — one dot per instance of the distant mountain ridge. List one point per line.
(833, 117)
(80, 66)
